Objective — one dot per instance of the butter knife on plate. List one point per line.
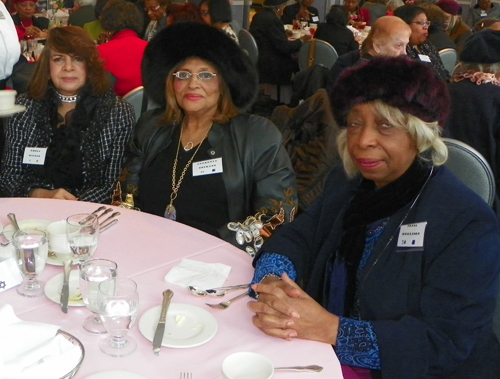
(65, 287)
(160, 328)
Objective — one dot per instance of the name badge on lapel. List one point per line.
(208, 167)
(411, 236)
(315, 19)
(424, 58)
(34, 155)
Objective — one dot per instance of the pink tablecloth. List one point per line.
(146, 247)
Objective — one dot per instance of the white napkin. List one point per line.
(32, 349)
(198, 274)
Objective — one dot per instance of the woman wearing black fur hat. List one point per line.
(202, 161)
(275, 63)
(217, 13)
(398, 261)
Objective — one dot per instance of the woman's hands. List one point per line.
(285, 311)
(59, 193)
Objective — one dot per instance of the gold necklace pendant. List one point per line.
(170, 212)
(188, 146)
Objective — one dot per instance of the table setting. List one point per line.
(169, 297)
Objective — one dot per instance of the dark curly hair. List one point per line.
(74, 41)
(120, 15)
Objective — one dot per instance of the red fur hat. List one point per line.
(400, 82)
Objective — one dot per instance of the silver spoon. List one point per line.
(312, 368)
(13, 221)
(216, 292)
(226, 304)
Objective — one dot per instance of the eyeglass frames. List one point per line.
(422, 23)
(203, 75)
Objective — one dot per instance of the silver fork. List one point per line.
(186, 375)
(226, 304)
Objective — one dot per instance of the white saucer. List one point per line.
(11, 111)
(54, 260)
(54, 285)
(116, 375)
(187, 325)
(30, 224)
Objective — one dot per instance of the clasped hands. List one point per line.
(284, 310)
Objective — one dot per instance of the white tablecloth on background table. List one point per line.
(145, 248)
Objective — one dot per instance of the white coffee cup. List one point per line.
(296, 35)
(246, 365)
(58, 242)
(7, 99)
(288, 27)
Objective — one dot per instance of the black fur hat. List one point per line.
(179, 42)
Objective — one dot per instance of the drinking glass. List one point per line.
(82, 231)
(118, 307)
(31, 251)
(93, 272)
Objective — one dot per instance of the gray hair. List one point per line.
(427, 136)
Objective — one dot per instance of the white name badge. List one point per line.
(10, 276)
(208, 167)
(412, 235)
(34, 155)
(424, 58)
(315, 19)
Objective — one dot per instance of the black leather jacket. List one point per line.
(257, 172)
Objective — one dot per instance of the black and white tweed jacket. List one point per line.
(103, 143)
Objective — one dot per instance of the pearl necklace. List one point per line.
(67, 99)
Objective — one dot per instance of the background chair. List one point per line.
(139, 101)
(470, 167)
(315, 52)
(247, 43)
(449, 59)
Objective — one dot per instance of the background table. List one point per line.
(145, 248)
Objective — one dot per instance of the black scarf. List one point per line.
(369, 205)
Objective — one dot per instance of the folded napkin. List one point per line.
(198, 274)
(32, 349)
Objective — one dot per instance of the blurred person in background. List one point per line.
(123, 52)
(84, 14)
(9, 46)
(27, 24)
(454, 26)
(437, 34)
(157, 13)
(218, 13)
(392, 5)
(358, 17)
(482, 10)
(388, 37)
(419, 47)
(302, 10)
(335, 31)
(94, 28)
(377, 8)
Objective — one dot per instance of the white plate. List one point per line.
(54, 285)
(11, 111)
(30, 224)
(116, 375)
(187, 325)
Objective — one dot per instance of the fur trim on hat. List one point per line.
(400, 82)
(482, 47)
(179, 42)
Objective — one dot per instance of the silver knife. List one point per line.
(65, 286)
(160, 328)
(107, 225)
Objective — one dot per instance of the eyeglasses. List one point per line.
(203, 75)
(152, 9)
(422, 23)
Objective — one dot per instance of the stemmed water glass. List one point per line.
(82, 231)
(31, 251)
(118, 307)
(93, 272)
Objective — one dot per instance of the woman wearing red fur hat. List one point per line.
(202, 161)
(396, 265)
